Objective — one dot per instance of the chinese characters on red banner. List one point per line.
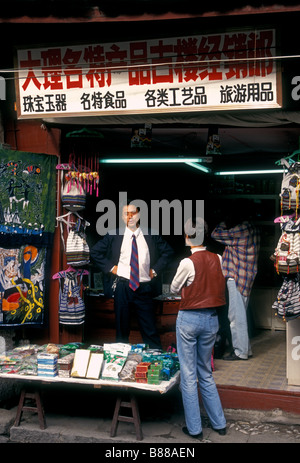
(203, 72)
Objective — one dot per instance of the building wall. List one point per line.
(32, 136)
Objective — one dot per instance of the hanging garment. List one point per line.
(287, 304)
(76, 246)
(71, 305)
(290, 187)
(287, 253)
(77, 249)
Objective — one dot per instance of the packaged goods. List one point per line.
(52, 349)
(47, 364)
(112, 361)
(154, 375)
(143, 367)
(115, 356)
(95, 365)
(64, 365)
(113, 365)
(142, 380)
(96, 348)
(66, 361)
(141, 372)
(80, 364)
(138, 348)
(129, 369)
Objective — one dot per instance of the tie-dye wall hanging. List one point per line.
(27, 224)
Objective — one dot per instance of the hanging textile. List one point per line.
(287, 304)
(76, 247)
(287, 252)
(27, 225)
(71, 304)
(22, 286)
(27, 198)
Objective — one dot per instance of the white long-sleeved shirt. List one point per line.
(143, 254)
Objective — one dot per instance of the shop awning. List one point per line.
(259, 118)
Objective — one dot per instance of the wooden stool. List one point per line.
(135, 418)
(37, 408)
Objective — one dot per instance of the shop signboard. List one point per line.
(221, 71)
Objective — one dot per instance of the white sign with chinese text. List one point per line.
(234, 70)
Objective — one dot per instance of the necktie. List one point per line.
(134, 266)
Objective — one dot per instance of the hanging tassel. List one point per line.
(84, 177)
(85, 170)
(92, 173)
(69, 179)
(88, 177)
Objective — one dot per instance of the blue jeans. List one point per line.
(196, 332)
(237, 314)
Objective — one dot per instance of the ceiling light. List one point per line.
(149, 160)
(199, 167)
(250, 172)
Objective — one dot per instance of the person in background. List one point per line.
(202, 285)
(241, 239)
(131, 260)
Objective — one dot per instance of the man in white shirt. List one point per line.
(112, 255)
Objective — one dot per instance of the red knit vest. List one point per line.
(208, 288)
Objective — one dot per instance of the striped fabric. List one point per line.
(73, 196)
(73, 203)
(71, 305)
(287, 252)
(77, 249)
(287, 304)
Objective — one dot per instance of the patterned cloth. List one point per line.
(239, 260)
(71, 305)
(22, 274)
(27, 198)
(27, 225)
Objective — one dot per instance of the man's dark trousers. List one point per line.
(142, 299)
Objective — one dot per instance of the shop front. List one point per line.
(170, 121)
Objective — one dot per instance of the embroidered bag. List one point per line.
(77, 249)
(71, 305)
(73, 196)
(76, 246)
(287, 252)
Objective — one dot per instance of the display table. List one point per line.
(33, 382)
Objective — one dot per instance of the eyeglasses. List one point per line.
(130, 213)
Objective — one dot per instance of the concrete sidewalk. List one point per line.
(80, 419)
